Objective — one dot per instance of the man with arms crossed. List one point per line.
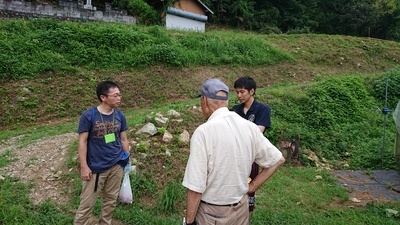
(222, 151)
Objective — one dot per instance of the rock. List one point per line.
(161, 121)
(167, 137)
(184, 137)
(173, 113)
(391, 213)
(149, 129)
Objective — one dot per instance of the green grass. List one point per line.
(32, 133)
(33, 47)
(292, 196)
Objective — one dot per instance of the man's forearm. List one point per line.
(125, 146)
(125, 142)
(82, 149)
(193, 202)
(264, 175)
(82, 153)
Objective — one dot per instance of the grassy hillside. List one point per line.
(323, 88)
(156, 66)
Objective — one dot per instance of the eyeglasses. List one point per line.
(114, 96)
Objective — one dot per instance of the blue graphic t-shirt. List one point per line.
(101, 155)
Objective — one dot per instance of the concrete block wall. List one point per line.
(65, 10)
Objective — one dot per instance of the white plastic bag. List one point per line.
(125, 193)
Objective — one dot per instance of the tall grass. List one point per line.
(33, 47)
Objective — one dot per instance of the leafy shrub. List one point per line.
(392, 93)
(334, 118)
(145, 14)
(297, 30)
(32, 47)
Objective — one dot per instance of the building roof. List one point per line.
(158, 4)
(207, 9)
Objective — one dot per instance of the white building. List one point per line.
(187, 15)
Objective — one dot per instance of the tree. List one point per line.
(233, 13)
(358, 17)
(328, 14)
(386, 19)
(144, 13)
(243, 12)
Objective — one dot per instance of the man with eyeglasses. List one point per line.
(103, 150)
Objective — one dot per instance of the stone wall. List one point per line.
(65, 10)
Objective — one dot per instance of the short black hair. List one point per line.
(245, 82)
(104, 87)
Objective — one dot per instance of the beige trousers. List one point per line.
(108, 186)
(224, 215)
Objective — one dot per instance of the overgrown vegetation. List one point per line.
(313, 83)
(66, 57)
(144, 13)
(329, 115)
(30, 48)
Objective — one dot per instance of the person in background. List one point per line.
(254, 111)
(103, 150)
(222, 151)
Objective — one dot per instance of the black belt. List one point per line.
(230, 205)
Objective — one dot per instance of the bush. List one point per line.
(39, 46)
(334, 118)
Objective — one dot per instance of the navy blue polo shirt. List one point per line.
(259, 113)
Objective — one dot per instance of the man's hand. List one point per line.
(252, 188)
(128, 168)
(86, 173)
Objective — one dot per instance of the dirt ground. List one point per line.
(42, 162)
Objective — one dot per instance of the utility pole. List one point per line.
(396, 117)
(385, 111)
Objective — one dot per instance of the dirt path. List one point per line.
(43, 163)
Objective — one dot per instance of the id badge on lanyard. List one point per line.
(108, 138)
